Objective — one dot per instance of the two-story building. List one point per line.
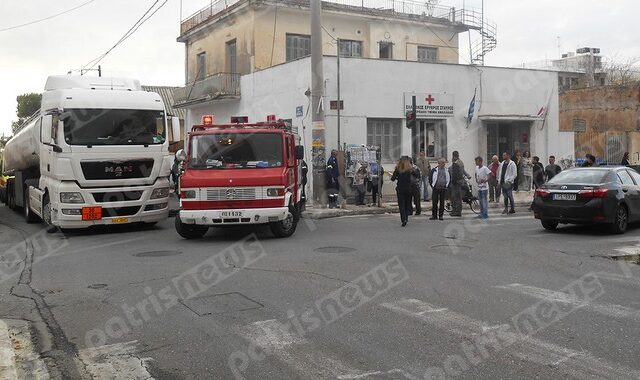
(250, 58)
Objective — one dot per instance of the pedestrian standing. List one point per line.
(425, 171)
(527, 172)
(552, 169)
(483, 174)
(416, 179)
(332, 174)
(538, 172)
(494, 189)
(377, 177)
(507, 174)
(517, 157)
(625, 159)
(440, 180)
(402, 174)
(457, 181)
(359, 179)
(589, 160)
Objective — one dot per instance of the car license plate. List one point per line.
(231, 214)
(92, 213)
(119, 220)
(564, 197)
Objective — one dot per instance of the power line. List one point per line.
(144, 18)
(47, 18)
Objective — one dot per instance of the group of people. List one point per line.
(366, 179)
(500, 178)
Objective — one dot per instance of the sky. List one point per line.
(528, 30)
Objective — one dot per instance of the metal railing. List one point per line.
(468, 16)
(216, 86)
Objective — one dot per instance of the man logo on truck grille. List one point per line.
(231, 193)
(118, 170)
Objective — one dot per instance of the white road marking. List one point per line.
(115, 361)
(7, 355)
(579, 364)
(277, 339)
(402, 372)
(610, 310)
(620, 278)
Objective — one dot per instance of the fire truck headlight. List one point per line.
(72, 197)
(188, 194)
(275, 192)
(162, 192)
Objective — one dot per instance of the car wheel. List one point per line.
(621, 220)
(190, 231)
(549, 225)
(286, 227)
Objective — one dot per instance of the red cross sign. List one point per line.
(430, 99)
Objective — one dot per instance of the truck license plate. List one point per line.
(119, 220)
(91, 213)
(231, 214)
(564, 197)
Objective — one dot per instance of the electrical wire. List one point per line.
(47, 18)
(144, 18)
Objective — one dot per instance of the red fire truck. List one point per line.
(238, 174)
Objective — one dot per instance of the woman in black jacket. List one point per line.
(402, 174)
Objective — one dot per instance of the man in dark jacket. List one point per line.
(415, 188)
(332, 178)
(457, 181)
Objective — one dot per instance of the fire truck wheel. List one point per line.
(190, 231)
(286, 227)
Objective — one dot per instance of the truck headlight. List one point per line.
(275, 192)
(188, 194)
(71, 197)
(162, 192)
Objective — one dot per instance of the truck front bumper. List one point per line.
(233, 217)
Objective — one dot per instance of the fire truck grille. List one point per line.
(225, 194)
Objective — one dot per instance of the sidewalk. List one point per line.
(522, 200)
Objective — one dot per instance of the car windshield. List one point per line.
(569, 177)
(113, 127)
(236, 150)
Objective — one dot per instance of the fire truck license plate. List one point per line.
(229, 214)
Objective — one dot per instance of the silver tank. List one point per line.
(22, 152)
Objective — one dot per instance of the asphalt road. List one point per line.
(346, 298)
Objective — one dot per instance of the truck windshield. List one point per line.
(113, 127)
(236, 150)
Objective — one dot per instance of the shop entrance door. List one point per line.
(507, 137)
(429, 136)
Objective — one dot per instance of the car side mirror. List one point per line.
(175, 129)
(181, 155)
(299, 152)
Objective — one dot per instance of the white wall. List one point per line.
(375, 88)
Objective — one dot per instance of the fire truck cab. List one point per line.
(240, 173)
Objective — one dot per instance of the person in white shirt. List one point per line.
(482, 179)
(507, 173)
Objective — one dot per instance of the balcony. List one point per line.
(218, 86)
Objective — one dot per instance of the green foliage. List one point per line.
(28, 104)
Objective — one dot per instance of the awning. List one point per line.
(510, 118)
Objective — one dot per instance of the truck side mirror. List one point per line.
(175, 129)
(181, 155)
(299, 152)
(46, 126)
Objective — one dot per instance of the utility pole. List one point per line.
(317, 111)
(339, 99)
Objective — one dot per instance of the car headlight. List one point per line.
(71, 197)
(275, 192)
(162, 192)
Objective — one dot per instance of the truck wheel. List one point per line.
(29, 216)
(190, 231)
(286, 227)
(46, 210)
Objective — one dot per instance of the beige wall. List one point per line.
(258, 49)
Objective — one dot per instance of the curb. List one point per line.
(8, 369)
(320, 213)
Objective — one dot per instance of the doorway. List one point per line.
(507, 136)
(429, 136)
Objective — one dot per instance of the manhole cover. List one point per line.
(220, 304)
(450, 246)
(335, 249)
(97, 286)
(158, 253)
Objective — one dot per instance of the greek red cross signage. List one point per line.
(430, 105)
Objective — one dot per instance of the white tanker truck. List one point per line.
(96, 153)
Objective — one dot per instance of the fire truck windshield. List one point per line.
(236, 150)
